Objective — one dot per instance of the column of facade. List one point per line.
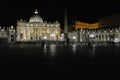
(38, 32)
(49, 33)
(46, 33)
(80, 36)
(28, 33)
(108, 37)
(104, 36)
(99, 37)
(24, 33)
(34, 33)
(55, 34)
(83, 37)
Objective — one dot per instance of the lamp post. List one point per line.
(91, 37)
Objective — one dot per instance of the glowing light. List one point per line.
(53, 34)
(31, 24)
(116, 40)
(48, 25)
(56, 31)
(45, 37)
(116, 30)
(51, 25)
(2, 29)
(52, 49)
(26, 24)
(56, 25)
(36, 24)
(36, 12)
(47, 30)
(74, 47)
(74, 37)
(92, 35)
(11, 27)
(60, 38)
(25, 38)
(45, 47)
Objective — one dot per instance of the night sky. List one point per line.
(50, 10)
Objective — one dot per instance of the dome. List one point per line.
(36, 17)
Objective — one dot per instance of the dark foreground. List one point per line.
(59, 60)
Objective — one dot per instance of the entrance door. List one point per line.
(57, 37)
(21, 37)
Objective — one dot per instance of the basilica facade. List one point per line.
(36, 29)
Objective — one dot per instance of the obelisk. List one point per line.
(65, 24)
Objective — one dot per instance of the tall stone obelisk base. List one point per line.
(67, 41)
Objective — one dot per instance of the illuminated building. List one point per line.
(36, 29)
(7, 34)
(83, 25)
(85, 32)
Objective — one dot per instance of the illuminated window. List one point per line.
(116, 30)
(51, 25)
(52, 34)
(2, 29)
(45, 37)
(11, 27)
(56, 25)
(26, 24)
(44, 25)
(31, 24)
(47, 30)
(20, 31)
(56, 31)
(36, 24)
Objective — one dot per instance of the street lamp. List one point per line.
(74, 38)
(45, 37)
(92, 36)
(116, 39)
